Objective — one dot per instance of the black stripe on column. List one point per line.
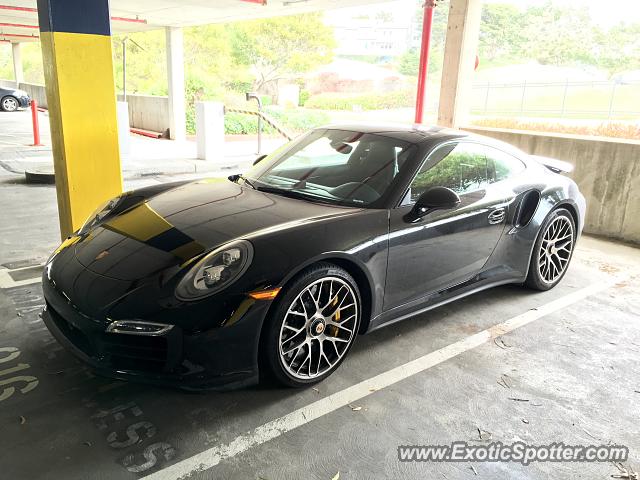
(74, 16)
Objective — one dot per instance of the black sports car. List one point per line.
(340, 232)
(11, 99)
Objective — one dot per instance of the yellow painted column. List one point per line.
(78, 69)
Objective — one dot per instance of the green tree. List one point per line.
(6, 66)
(557, 35)
(146, 62)
(409, 62)
(210, 61)
(618, 48)
(31, 62)
(501, 32)
(282, 47)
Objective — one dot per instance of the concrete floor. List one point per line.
(574, 372)
(142, 158)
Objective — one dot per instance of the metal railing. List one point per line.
(266, 118)
(571, 99)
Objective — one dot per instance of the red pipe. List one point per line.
(145, 133)
(36, 125)
(427, 22)
(18, 9)
(35, 10)
(18, 25)
(131, 20)
(17, 35)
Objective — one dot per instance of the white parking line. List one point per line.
(273, 429)
(6, 281)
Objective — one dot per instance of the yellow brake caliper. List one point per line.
(334, 329)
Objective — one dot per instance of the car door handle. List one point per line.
(497, 216)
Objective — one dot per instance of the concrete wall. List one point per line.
(7, 83)
(148, 112)
(606, 170)
(36, 92)
(145, 111)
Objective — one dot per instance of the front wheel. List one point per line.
(313, 326)
(9, 104)
(552, 251)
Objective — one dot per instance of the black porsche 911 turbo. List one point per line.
(342, 231)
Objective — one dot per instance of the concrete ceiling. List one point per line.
(19, 18)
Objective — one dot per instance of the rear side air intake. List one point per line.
(527, 208)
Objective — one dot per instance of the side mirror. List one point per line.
(259, 159)
(434, 198)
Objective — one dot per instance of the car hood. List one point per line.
(180, 224)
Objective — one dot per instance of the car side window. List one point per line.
(461, 167)
(502, 165)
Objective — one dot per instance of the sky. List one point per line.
(605, 13)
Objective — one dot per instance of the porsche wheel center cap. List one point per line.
(317, 328)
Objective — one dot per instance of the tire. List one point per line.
(313, 326)
(552, 251)
(9, 104)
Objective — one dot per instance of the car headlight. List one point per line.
(216, 271)
(99, 214)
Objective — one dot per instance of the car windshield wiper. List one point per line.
(239, 176)
(285, 192)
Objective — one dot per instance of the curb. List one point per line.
(45, 175)
(40, 176)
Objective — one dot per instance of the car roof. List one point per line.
(420, 134)
(415, 133)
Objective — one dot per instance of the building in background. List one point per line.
(385, 30)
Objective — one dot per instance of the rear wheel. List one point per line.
(9, 104)
(552, 251)
(313, 326)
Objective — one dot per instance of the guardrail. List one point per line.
(266, 118)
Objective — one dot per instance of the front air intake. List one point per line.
(138, 327)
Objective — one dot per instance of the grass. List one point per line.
(580, 102)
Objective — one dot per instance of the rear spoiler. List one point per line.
(557, 166)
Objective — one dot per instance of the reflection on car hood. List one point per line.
(182, 223)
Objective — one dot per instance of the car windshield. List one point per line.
(333, 166)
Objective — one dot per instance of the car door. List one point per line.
(446, 247)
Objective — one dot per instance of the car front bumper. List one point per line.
(219, 358)
(24, 101)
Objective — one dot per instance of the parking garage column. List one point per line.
(17, 63)
(460, 51)
(78, 69)
(175, 78)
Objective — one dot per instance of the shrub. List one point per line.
(298, 120)
(294, 121)
(367, 101)
(240, 124)
(304, 96)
